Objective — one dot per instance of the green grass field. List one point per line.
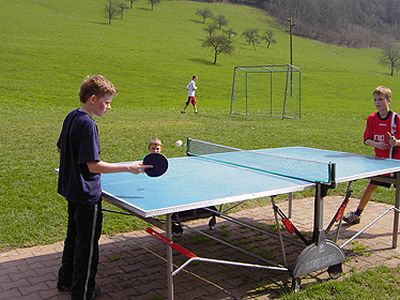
(48, 47)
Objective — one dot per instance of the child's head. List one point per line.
(96, 85)
(155, 145)
(382, 92)
(194, 77)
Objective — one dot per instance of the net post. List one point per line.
(332, 174)
(233, 89)
(299, 103)
(188, 146)
(247, 95)
(285, 94)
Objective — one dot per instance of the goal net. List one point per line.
(272, 90)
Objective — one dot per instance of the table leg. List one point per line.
(396, 212)
(290, 203)
(169, 260)
(318, 212)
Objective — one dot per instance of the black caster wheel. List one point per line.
(177, 230)
(296, 284)
(212, 222)
(335, 271)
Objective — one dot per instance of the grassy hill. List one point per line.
(48, 47)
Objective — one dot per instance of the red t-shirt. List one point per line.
(376, 130)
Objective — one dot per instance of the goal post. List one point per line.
(273, 90)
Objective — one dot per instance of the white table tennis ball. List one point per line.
(179, 143)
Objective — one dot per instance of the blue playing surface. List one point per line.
(195, 182)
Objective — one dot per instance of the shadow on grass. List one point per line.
(144, 8)
(203, 61)
(101, 23)
(196, 21)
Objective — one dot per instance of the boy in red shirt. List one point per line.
(383, 133)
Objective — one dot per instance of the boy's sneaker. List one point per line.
(95, 292)
(177, 230)
(352, 218)
(182, 111)
(63, 287)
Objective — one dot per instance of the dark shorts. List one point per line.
(192, 100)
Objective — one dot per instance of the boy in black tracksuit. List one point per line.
(79, 182)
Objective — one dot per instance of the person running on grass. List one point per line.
(191, 88)
(382, 132)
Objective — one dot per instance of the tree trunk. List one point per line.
(215, 57)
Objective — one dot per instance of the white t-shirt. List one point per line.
(191, 88)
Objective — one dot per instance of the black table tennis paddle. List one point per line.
(159, 163)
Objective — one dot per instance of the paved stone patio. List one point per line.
(132, 265)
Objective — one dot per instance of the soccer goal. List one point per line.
(273, 90)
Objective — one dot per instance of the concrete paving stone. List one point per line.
(61, 297)
(8, 267)
(392, 263)
(47, 294)
(133, 267)
(148, 286)
(198, 293)
(4, 279)
(15, 284)
(124, 294)
(149, 296)
(42, 278)
(10, 294)
(52, 284)
(27, 290)
(29, 264)
(33, 296)
(55, 264)
(22, 275)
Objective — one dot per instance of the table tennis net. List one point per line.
(309, 170)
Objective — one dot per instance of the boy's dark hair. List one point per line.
(96, 85)
(194, 76)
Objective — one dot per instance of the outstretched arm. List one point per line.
(105, 167)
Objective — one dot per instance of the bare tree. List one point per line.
(210, 29)
(230, 33)
(204, 13)
(111, 9)
(390, 56)
(154, 3)
(131, 3)
(220, 44)
(220, 20)
(122, 7)
(251, 36)
(268, 39)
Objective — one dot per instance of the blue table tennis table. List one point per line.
(201, 181)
